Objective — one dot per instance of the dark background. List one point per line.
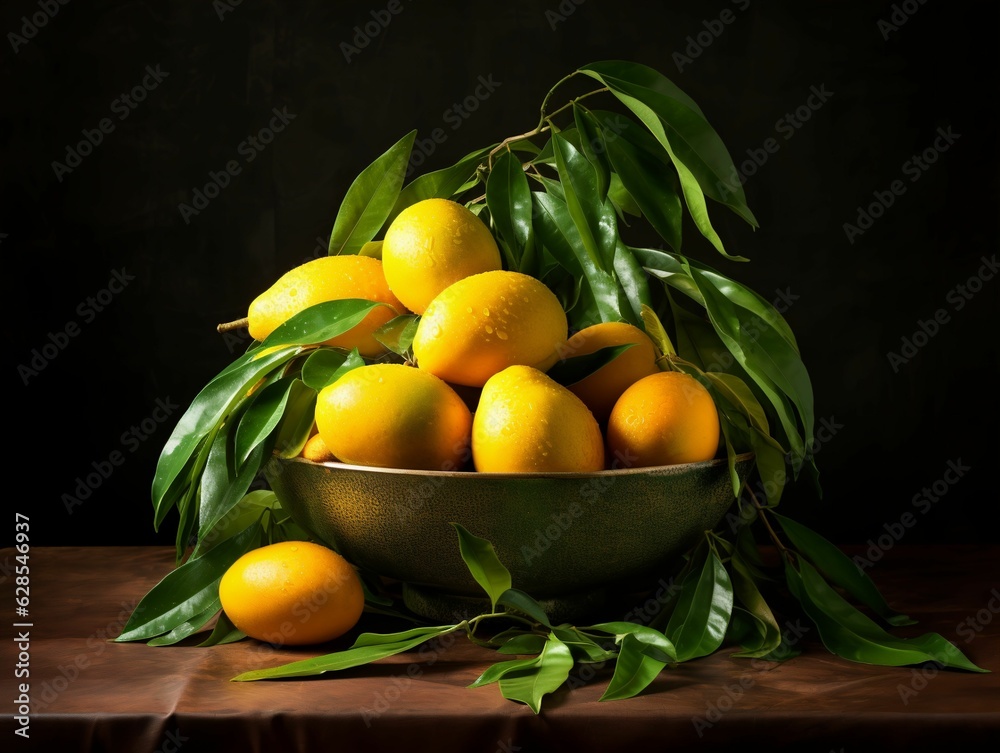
(154, 341)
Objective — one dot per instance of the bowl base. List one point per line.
(449, 608)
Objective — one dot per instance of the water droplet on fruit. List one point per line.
(489, 330)
(502, 335)
(486, 312)
(468, 309)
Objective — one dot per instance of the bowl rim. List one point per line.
(654, 470)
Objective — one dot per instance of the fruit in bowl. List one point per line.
(486, 353)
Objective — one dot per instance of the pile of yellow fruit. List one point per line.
(475, 395)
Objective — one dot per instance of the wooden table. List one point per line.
(91, 695)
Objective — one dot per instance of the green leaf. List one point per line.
(188, 590)
(324, 372)
(694, 141)
(243, 514)
(223, 632)
(745, 589)
(366, 649)
(223, 483)
(519, 601)
(634, 671)
(495, 672)
(693, 194)
(653, 185)
(263, 415)
(593, 218)
(370, 199)
(850, 634)
(186, 629)
(623, 202)
(397, 334)
(593, 146)
(840, 569)
(652, 641)
(561, 238)
(546, 673)
(320, 322)
(439, 184)
(481, 559)
(698, 624)
(509, 200)
(584, 648)
(574, 368)
(178, 468)
(633, 285)
(527, 643)
(654, 328)
(297, 423)
(741, 397)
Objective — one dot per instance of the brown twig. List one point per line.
(230, 326)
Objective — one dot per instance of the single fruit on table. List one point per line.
(527, 422)
(663, 419)
(432, 244)
(600, 390)
(328, 278)
(292, 593)
(481, 325)
(394, 416)
(316, 450)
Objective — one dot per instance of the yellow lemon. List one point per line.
(482, 324)
(430, 245)
(394, 416)
(328, 278)
(664, 419)
(292, 593)
(527, 422)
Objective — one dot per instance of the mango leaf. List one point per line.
(366, 649)
(695, 142)
(188, 628)
(584, 648)
(574, 368)
(693, 193)
(850, 634)
(840, 569)
(495, 672)
(653, 185)
(594, 219)
(320, 322)
(519, 601)
(634, 671)
(223, 632)
(244, 513)
(177, 469)
(297, 422)
(561, 237)
(481, 559)
(397, 334)
(633, 285)
(741, 397)
(223, 483)
(188, 590)
(439, 184)
(325, 366)
(623, 202)
(526, 643)
(593, 146)
(262, 416)
(656, 332)
(509, 200)
(370, 199)
(651, 641)
(746, 591)
(541, 676)
(698, 623)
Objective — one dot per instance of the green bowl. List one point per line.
(565, 537)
